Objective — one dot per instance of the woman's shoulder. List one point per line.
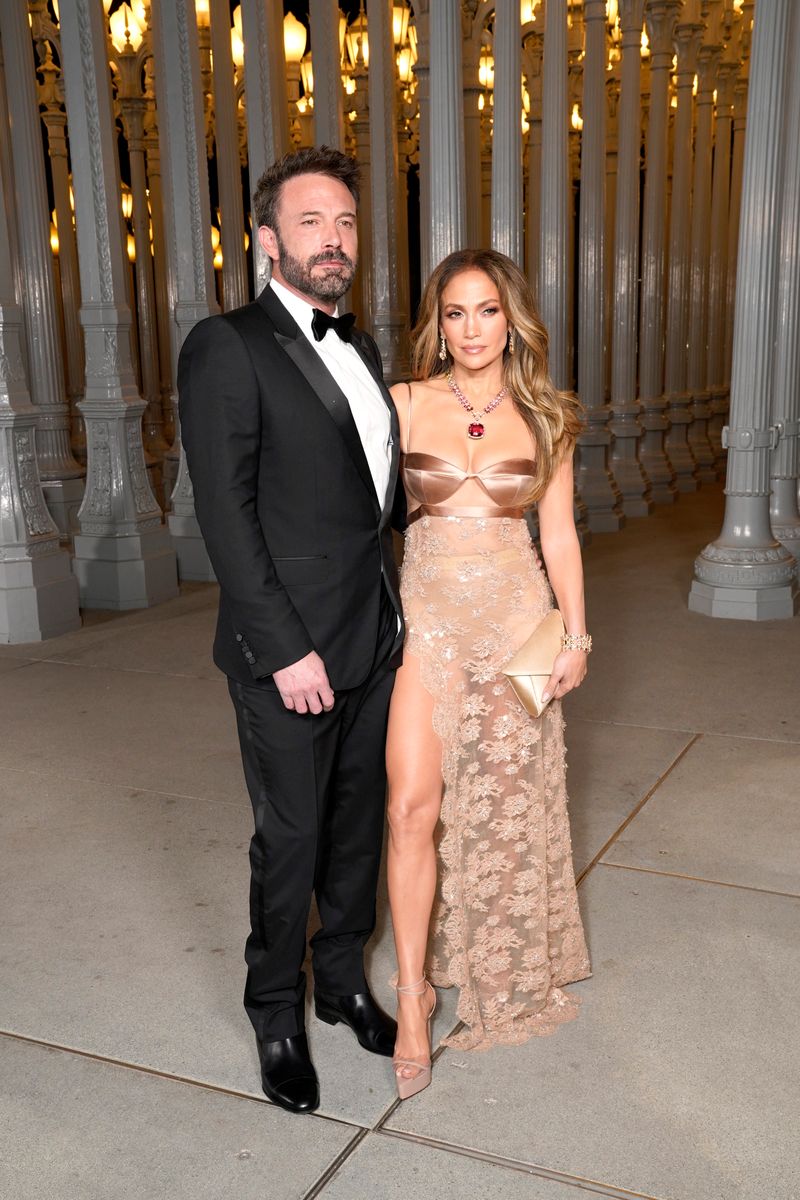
(400, 390)
(418, 389)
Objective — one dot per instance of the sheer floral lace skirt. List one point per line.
(506, 930)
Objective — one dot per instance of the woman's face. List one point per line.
(472, 321)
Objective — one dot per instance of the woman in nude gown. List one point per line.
(481, 882)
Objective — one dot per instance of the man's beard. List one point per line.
(328, 287)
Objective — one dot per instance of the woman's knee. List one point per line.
(413, 812)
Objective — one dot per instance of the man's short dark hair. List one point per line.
(311, 160)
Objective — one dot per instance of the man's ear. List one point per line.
(268, 241)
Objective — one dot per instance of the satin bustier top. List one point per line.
(431, 481)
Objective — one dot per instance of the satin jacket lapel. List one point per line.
(377, 375)
(306, 359)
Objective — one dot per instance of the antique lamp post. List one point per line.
(294, 46)
(51, 103)
(129, 48)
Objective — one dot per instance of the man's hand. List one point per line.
(304, 685)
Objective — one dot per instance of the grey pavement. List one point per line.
(127, 1065)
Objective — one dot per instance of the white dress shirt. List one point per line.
(367, 405)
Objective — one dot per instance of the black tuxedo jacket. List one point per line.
(284, 496)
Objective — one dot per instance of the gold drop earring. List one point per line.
(442, 348)
(511, 341)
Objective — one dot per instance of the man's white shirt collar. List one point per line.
(302, 310)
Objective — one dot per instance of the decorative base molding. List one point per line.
(193, 560)
(657, 469)
(784, 515)
(789, 536)
(663, 494)
(596, 486)
(742, 603)
(698, 440)
(652, 453)
(637, 506)
(632, 483)
(156, 476)
(135, 571)
(755, 582)
(676, 442)
(64, 498)
(38, 598)
(662, 484)
(605, 521)
(169, 472)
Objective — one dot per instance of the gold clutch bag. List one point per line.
(532, 665)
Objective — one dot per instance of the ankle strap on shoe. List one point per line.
(410, 989)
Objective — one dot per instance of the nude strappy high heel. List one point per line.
(409, 1087)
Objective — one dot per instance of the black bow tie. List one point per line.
(321, 323)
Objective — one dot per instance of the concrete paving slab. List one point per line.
(394, 1168)
(98, 625)
(124, 914)
(610, 768)
(690, 677)
(138, 913)
(655, 663)
(12, 664)
(23, 650)
(726, 812)
(76, 1129)
(679, 1078)
(160, 732)
(177, 645)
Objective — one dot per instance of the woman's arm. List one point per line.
(561, 552)
(399, 394)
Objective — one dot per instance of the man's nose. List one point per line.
(332, 234)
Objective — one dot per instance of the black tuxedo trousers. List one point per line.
(317, 784)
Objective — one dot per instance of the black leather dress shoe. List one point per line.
(287, 1074)
(374, 1028)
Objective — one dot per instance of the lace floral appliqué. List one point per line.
(506, 929)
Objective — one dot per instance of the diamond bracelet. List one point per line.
(577, 641)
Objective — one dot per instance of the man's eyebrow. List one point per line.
(314, 212)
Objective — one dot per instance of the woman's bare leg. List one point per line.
(414, 766)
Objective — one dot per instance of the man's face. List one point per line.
(314, 248)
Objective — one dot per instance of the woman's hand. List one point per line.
(569, 671)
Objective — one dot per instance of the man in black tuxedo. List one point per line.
(292, 444)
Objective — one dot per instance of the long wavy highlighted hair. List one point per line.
(553, 417)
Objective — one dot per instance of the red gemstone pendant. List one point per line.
(476, 429)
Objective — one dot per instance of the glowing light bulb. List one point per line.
(295, 37)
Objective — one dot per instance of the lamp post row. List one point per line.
(428, 96)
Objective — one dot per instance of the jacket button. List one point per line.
(238, 637)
